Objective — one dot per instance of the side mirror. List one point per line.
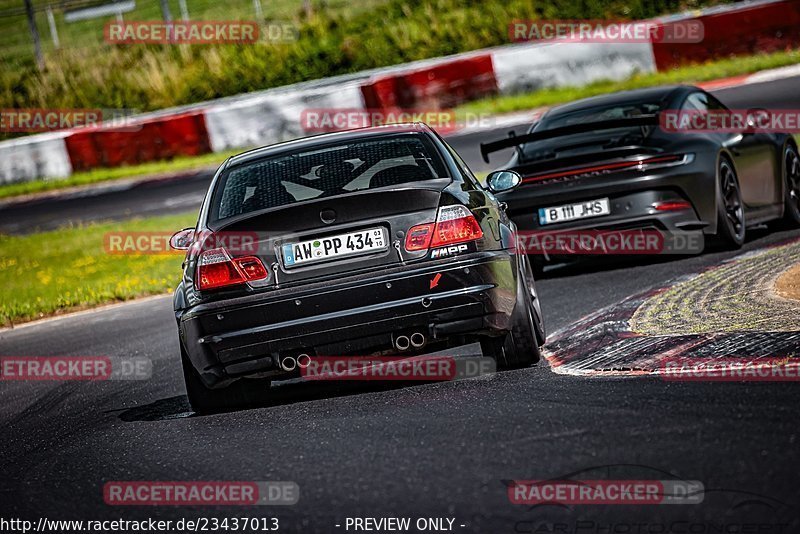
(182, 240)
(499, 181)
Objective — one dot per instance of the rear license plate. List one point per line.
(334, 247)
(571, 212)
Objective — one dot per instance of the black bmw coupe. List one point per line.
(372, 241)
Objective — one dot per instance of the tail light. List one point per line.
(643, 164)
(215, 268)
(454, 224)
(672, 205)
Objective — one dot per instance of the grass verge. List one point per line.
(53, 272)
(185, 163)
(788, 284)
(712, 70)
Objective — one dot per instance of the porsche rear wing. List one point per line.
(517, 140)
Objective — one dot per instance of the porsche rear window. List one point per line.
(590, 140)
(326, 171)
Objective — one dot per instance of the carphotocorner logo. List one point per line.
(81, 368)
(198, 493)
(606, 492)
(607, 31)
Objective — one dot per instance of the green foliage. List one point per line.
(333, 40)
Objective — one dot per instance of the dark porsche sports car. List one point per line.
(606, 163)
(377, 240)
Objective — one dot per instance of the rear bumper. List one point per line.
(631, 195)
(630, 210)
(471, 295)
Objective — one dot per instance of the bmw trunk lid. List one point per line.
(344, 234)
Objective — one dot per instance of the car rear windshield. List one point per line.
(325, 171)
(582, 142)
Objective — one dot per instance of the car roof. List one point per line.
(344, 136)
(661, 93)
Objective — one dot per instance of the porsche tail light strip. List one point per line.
(642, 164)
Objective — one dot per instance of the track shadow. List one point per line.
(289, 392)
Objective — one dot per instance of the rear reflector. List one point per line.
(677, 205)
(216, 269)
(454, 224)
(419, 237)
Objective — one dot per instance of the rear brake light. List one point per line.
(454, 224)
(216, 269)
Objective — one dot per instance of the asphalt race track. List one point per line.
(441, 450)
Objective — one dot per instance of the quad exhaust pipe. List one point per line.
(402, 343)
(288, 363)
(417, 340)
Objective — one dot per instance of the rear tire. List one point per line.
(731, 226)
(243, 393)
(791, 196)
(518, 348)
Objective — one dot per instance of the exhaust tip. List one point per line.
(417, 340)
(402, 342)
(288, 363)
(303, 361)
